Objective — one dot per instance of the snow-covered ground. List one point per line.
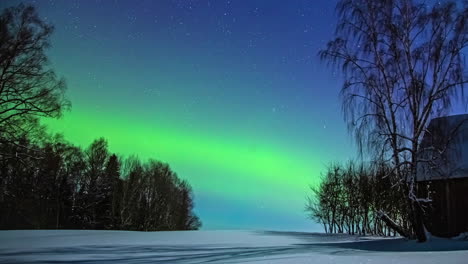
(70, 246)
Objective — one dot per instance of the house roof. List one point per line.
(444, 149)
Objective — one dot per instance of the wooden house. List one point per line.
(443, 175)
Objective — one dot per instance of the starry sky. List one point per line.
(230, 93)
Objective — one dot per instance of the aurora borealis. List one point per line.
(230, 93)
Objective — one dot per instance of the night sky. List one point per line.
(230, 93)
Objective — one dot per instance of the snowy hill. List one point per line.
(70, 246)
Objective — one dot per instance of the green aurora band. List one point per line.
(280, 171)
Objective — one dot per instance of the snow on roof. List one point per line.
(444, 149)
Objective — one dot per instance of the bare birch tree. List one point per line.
(403, 64)
(29, 89)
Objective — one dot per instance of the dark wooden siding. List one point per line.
(448, 214)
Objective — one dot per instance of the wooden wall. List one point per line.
(448, 214)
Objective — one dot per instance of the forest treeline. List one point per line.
(47, 182)
(58, 185)
(351, 197)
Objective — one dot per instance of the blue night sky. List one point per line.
(230, 93)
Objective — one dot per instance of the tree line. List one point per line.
(47, 182)
(58, 185)
(351, 198)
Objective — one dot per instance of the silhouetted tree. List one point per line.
(28, 87)
(132, 174)
(114, 192)
(17, 183)
(403, 64)
(97, 187)
(186, 219)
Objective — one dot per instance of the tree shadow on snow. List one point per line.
(141, 254)
(331, 241)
